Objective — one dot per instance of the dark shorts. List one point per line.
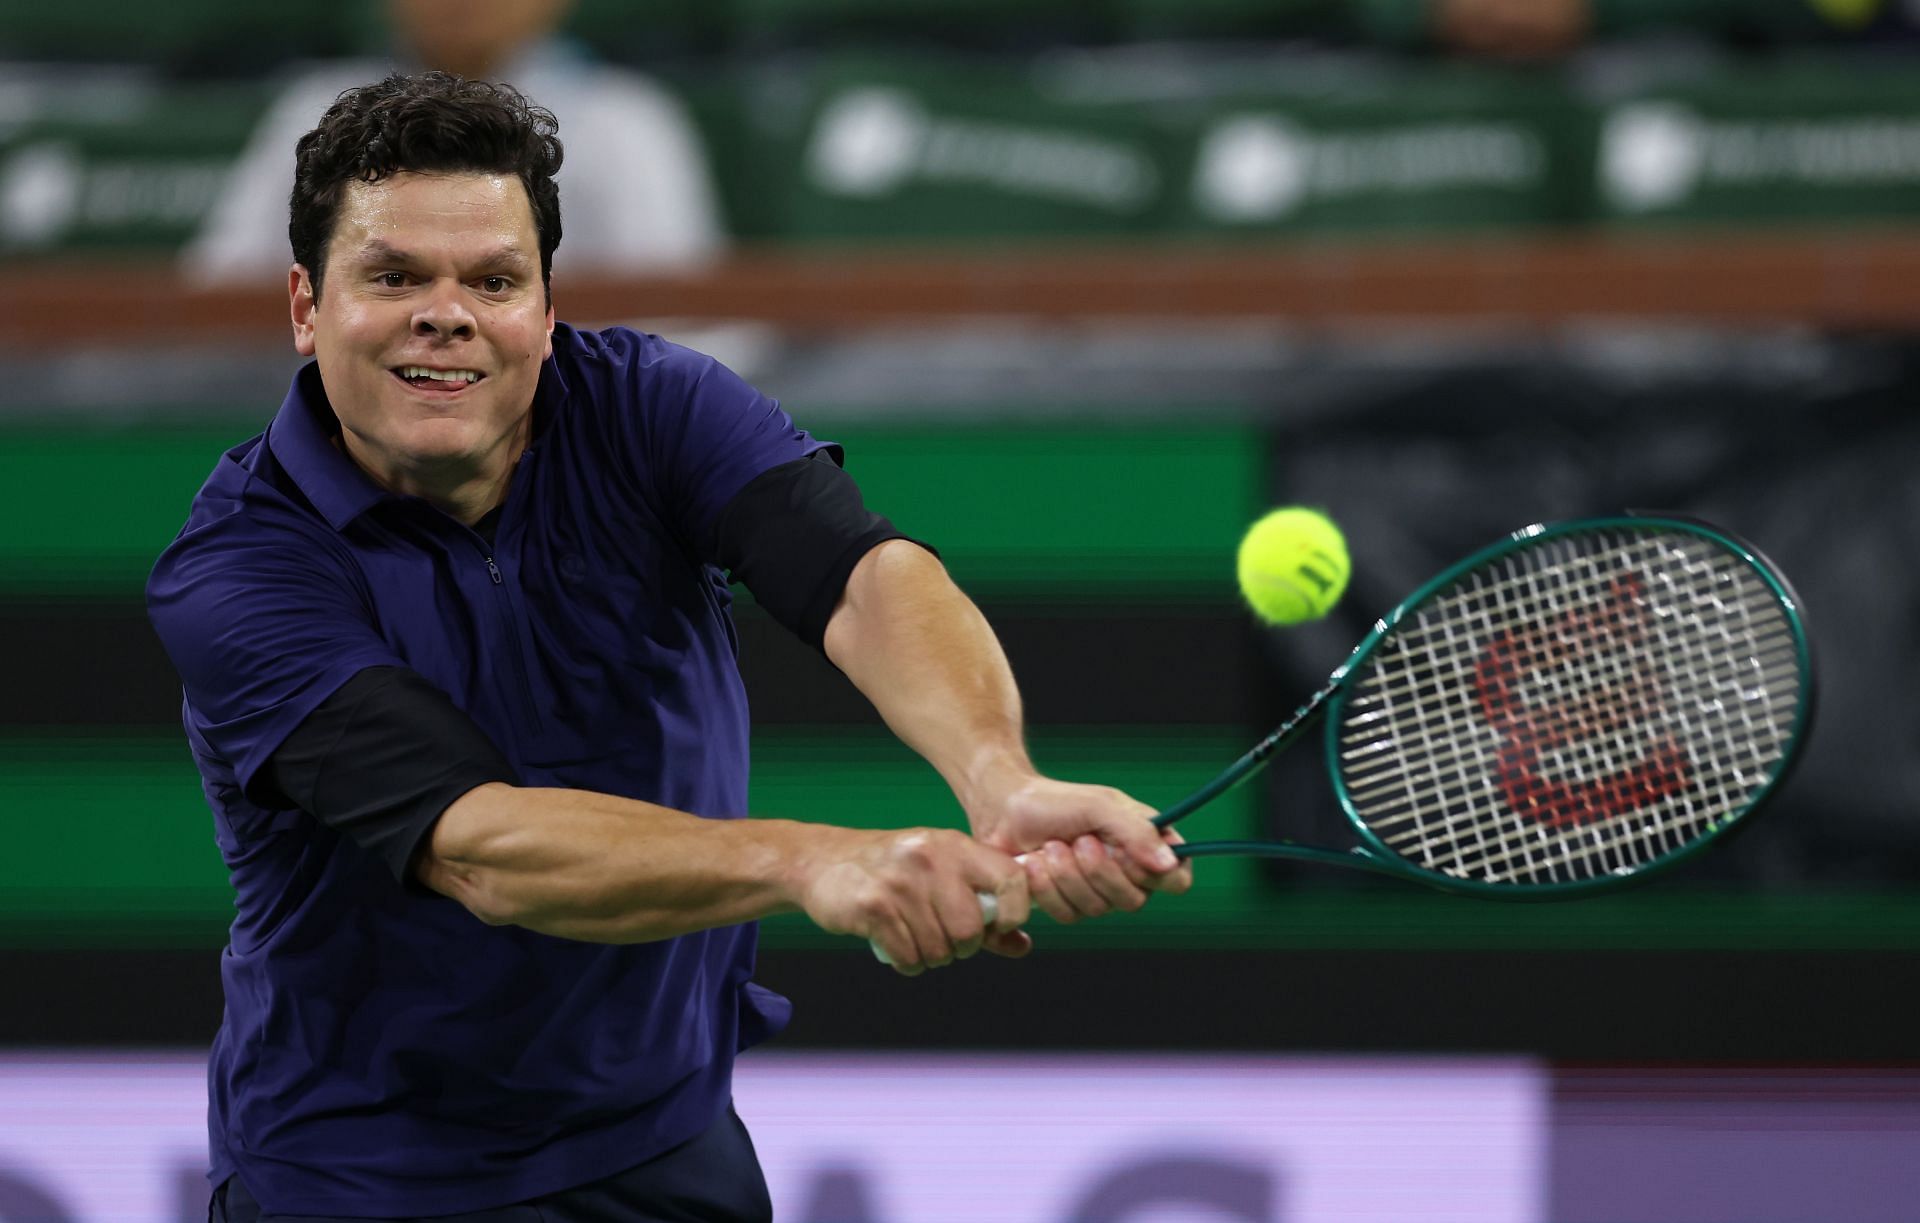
(713, 1178)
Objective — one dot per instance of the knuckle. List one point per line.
(913, 849)
(872, 906)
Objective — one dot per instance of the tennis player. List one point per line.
(460, 681)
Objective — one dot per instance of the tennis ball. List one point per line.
(1292, 565)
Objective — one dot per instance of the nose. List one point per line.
(443, 312)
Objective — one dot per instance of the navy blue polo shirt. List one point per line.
(383, 1051)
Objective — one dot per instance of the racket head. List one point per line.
(1576, 707)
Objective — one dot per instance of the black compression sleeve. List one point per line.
(381, 759)
(793, 535)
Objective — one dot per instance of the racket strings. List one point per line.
(1578, 707)
(1610, 848)
(1613, 846)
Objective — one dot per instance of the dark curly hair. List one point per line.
(432, 122)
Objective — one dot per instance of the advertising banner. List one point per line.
(1801, 142)
(927, 1139)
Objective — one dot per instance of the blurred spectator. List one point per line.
(635, 190)
(1512, 29)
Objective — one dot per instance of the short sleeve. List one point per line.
(693, 431)
(264, 618)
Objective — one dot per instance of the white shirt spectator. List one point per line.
(635, 191)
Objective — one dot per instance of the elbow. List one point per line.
(476, 888)
(488, 903)
(453, 859)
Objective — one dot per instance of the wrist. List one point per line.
(795, 854)
(986, 784)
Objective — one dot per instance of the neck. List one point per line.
(467, 488)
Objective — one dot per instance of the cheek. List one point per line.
(348, 333)
(531, 341)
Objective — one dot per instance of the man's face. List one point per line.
(429, 272)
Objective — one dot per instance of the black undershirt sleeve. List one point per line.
(380, 759)
(793, 535)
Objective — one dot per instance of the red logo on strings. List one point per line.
(1610, 635)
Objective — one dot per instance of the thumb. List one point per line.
(1141, 842)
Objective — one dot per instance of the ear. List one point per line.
(549, 352)
(300, 300)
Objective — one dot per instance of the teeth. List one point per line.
(439, 375)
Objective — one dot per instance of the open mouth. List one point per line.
(437, 381)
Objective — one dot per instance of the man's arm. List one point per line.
(391, 763)
(924, 655)
(594, 867)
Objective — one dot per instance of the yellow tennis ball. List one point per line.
(1293, 565)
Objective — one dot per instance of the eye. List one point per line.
(392, 280)
(494, 284)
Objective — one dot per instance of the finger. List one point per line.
(893, 945)
(962, 921)
(1178, 880)
(1173, 882)
(930, 934)
(1011, 944)
(1131, 830)
(1063, 865)
(1135, 874)
(1105, 875)
(1041, 890)
(1012, 899)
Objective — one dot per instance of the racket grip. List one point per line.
(989, 913)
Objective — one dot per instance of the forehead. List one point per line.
(435, 213)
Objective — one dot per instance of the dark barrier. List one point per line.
(1808, 451)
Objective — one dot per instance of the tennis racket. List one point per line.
(1571, 709)
(1574, 707)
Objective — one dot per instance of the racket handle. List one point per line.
(989, 913)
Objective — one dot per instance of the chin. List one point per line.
(440, 440)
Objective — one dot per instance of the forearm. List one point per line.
(601, 869)
(594, 867)
(922, 653)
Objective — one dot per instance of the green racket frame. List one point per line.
(1330, 700)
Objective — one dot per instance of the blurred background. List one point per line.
(1083, 286)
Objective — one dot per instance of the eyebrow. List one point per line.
(378, 250)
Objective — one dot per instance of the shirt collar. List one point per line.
(302, 440)
(552, 391)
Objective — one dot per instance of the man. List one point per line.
(638, 191)
(460, 681)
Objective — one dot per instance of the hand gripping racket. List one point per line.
(1572, 708)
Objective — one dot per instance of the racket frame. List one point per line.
(1329, 702)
